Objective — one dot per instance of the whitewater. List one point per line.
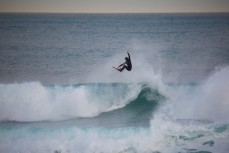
(60, 94)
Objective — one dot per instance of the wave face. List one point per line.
(138, 112)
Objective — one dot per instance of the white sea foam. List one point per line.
(35, 102)
(163, 136)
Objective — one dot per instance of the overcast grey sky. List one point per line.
(114, 6)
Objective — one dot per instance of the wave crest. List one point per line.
(26, 102)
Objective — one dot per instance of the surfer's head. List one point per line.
(126, 58)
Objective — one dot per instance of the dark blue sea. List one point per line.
(60, 94)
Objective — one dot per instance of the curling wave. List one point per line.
(29, 102)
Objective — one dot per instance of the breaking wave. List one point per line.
(29, 102)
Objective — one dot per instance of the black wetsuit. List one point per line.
(127, 65)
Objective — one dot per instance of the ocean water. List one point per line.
(60, 94)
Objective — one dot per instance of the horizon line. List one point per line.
(53, 12)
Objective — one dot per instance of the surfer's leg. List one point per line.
(124, 67)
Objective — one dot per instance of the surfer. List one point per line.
(126, 65)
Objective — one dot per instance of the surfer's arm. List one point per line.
(128, 55)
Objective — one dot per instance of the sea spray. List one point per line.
(205, 101)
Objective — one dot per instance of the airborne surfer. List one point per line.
(126, 65)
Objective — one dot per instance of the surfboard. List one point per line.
(116, 68)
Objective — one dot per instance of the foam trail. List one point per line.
(35, 102)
